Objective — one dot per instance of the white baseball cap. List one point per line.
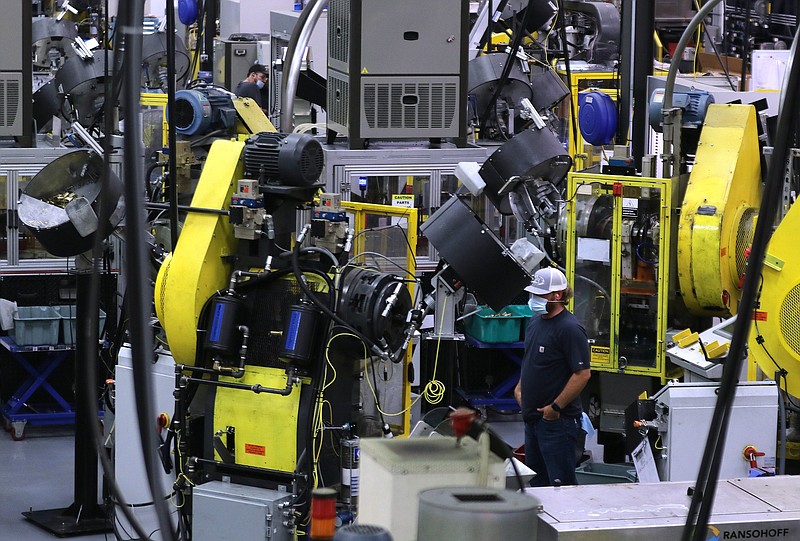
(546, 281)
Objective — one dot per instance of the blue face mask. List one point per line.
(538, 305)
(260, 84)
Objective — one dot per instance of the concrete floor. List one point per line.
(38, 475)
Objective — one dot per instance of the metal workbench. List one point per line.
(757, 508)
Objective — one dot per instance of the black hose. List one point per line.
(565, 49)
(148, 172)
(703, 497)
(172, 143)
(331, 314)
(140, 289)
(89, 372)
(313, 298)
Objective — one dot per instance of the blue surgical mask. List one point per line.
(538, 305)
(260, 84)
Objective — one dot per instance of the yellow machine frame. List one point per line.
(718, 213)
(152, 99)
(360, 211)
(607, 359)
(197, 267)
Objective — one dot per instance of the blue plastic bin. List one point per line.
(36, 326)
(68, 317)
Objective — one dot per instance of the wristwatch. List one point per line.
(556, 407)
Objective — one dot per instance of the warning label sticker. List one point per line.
(251, 449)
(599, 354)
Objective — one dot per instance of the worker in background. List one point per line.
(555, 369)
(251, 86)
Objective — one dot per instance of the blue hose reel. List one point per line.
(597, 117)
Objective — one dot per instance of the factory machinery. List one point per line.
(270, 345)
(273, 337)
(256, 330)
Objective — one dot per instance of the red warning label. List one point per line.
(759, 316)
(251, 449)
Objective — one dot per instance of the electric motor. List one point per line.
(293, 159)
(202, 110)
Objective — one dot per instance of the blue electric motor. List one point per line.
(693, 104)
(203, 110)
(597, 117)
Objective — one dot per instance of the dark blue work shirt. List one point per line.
(555, 348)
(249, 90)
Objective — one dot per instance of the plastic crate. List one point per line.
(69, 330)
(36, 326)
(598, 473)
(524, 311)
(491, 327)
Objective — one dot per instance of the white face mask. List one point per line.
(260, 84)
(538, 305)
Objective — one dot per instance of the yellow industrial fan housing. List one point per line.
(719, 211)
(775, 335)
(199, 265)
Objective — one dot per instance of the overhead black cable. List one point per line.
(705, 488)
(136, 252)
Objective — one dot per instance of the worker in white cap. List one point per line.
(555, 369)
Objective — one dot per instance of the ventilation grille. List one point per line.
(423, 105)
(10, 100)
(744, 239)
(338, 100)
(339, 30)
(790, 319)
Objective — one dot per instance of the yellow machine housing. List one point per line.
(264, 430)
(266, 426)
(198, 267)
(775, 335)
(719, 211)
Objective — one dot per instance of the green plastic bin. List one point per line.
(36, 326)
(524, 311)
(598, 473)
(495, 327)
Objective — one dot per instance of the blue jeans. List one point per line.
(550, 450)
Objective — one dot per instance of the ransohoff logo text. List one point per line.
(756, 533)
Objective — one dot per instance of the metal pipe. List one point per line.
(209, 33)
(674, 64)
(642, 60)
(172, 142)
(238, 372)
(294, 60)
(781, 428)
(185, 208)
(291, 381)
